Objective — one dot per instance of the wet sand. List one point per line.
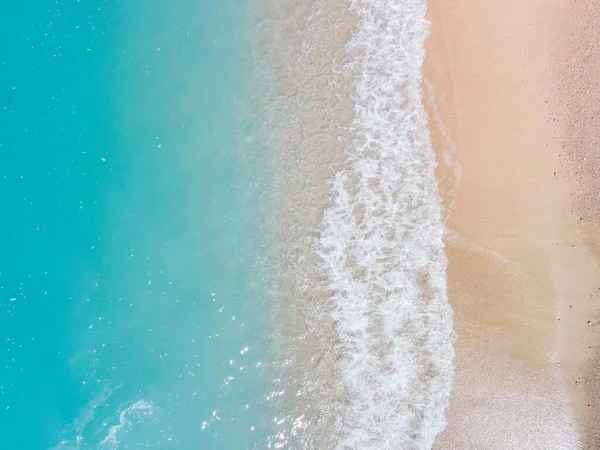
(523, 279)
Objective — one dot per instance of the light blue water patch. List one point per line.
(132, 268)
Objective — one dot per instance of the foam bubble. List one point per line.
(381, 244)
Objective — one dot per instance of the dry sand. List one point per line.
(523, 276)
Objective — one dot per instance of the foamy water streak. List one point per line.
(381, 243)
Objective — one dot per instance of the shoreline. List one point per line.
(365, 318)
(520, 270)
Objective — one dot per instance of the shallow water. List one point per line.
(131, 188)
(371, 334)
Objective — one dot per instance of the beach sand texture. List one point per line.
(513, 114)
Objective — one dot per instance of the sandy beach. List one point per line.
(519, 188)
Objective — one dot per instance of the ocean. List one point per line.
(130, 191)
(222, 227)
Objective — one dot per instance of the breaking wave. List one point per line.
(381, 243)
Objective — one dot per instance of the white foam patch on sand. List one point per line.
(381, 244)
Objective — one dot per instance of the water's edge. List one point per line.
(367, 328)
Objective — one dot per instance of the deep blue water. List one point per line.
(130, 187)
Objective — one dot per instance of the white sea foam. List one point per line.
(78, 428)
(381, 244)
(138, 409)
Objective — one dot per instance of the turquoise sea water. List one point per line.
(130, 190)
